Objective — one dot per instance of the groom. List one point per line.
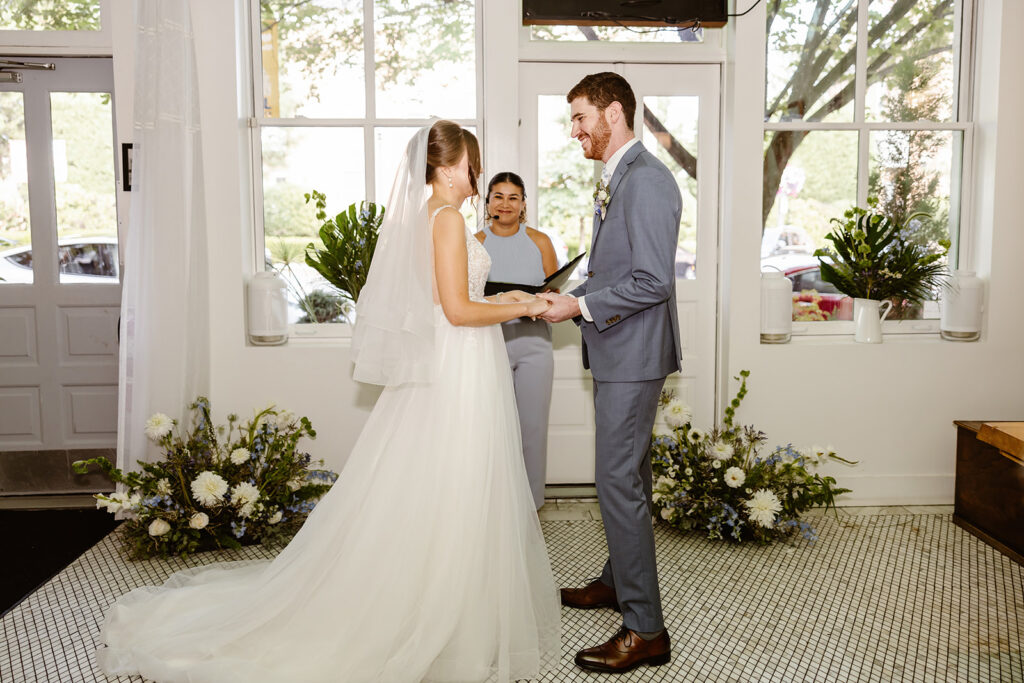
(626, 311)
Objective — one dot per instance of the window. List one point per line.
(863, 99)
(339, 88)
(60, 24)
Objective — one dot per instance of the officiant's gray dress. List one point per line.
(517, 259)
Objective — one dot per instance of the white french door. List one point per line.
(60, 292)
(677, 119)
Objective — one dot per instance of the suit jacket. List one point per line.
(631, 283)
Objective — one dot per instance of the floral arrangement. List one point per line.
(217, 487)
(601, 198)
(718, 482)
(349, 240)
(870, 258)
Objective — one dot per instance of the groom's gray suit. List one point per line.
(630, 347)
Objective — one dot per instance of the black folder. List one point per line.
(556, 280)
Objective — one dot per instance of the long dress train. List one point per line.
(424, 562)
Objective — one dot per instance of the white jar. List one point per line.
(268, 309)
(776, 308)
(961, 304)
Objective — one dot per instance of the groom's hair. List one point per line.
(604, 88)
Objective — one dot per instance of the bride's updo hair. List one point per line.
(446, 144)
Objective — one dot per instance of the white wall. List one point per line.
(889, 406)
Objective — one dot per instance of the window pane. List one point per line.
(670, 131)
(83, 174)
(917, 172)
(295, 162)
(50, 15)
(565, 181)
(313, 59)
(425, 58)
(616, 34)
(810, 178)
(910, 61)
(15, 233)
(812, 48)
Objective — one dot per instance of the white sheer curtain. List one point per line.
(164, 307)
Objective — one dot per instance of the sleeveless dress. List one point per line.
(424, 562)
(517, 259)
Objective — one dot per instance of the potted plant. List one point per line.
(872, 262)
(348, 241)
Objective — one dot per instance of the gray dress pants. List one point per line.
(528, 343)
(624, 417)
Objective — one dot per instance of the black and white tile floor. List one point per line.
(886, 594)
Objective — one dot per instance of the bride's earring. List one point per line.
(450, 184)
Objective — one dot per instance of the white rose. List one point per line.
(158, 426)
(239, 455)
(199, 520)
(159, 527)
(734, 477)
(209, 488)
(716, 463)
(274, 518)
(666, 513)
(688, 472)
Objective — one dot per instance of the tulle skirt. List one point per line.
(425, 561)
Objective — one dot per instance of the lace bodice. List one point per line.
(479, 264)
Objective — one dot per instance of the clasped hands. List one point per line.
(550, 306)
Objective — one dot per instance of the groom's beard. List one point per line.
(599, 138)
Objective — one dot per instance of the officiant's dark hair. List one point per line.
(446, 144)
(602, 89)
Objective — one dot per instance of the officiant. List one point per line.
(523, 255)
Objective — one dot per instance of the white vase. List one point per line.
(268, 309)
(961, 305)
(776, 308)
(867, 320)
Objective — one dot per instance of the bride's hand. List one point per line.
(535, 306)
(516, 296)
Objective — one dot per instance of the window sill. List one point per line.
(845, 328)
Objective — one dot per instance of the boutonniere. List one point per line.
(601, 199)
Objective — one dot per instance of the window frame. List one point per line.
(84, 42)
(961, 177)
(257, 122)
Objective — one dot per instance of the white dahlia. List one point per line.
(721, 450)
(244, 494)
(762, 507)
(158, 426)
(209, 488)
(677, 413)
(239, 455)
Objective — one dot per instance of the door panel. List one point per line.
(60, 295)
(677, 119)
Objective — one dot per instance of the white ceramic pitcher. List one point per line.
(867, 320)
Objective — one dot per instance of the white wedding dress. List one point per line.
(424, 562)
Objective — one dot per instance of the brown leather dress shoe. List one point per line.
(625, 652)
(595, 594)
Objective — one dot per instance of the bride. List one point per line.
(425, 561)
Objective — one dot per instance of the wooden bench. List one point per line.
(989, 498)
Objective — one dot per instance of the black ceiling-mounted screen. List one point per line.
(711, 13)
